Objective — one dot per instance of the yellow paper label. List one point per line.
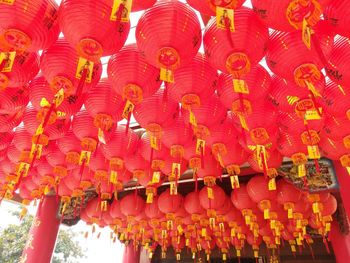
(312, 88)
(266, 214)
(306, 34)
(315, 208)
(328, 227)
(234, 181)
(193, 119)
(299, 224)
(243, 122)
(175, 170)
(155, 177)
(200, 146)
(7, 2)
(44, 103)
(240, 86)
(59, 97)
(204, 232)
(180, 229)
(272, 184)
(348, 170)
(313, 152)
(272, 224)
(238, 253)
(299, 242)
(233, 232)
(247, 219)
(277, 241)
(224, 257)
(173, 188)
(225, 18)
(166, 75)
(293, 248)
(38, 148)
(149, 199)
(121, 10)
(290, 213)
(312, 115)
(60, 114)
(128, 108)
(23, 169)
(9, 57)
(301, 170)
(101, 136)
(113, 177)
(256, 253)
(84, 64)
(210, 193)
(154, 142)
(85, 156)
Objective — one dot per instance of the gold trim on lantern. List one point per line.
(238, 64)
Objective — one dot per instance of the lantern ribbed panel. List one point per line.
(209, 7)
(24, 193)
(22, 139)
(37, 20)
(337, 68)
(154, 110)
(71, 181)
(135, 162)
(120, 144)
(249, 40)
(9, 122)
(3, 154)
(168, 203)
(294, 124)
(54, 131)
(209, 113)
(287, 96)
(286, 15)
(132, 205)
(234, 215)
(69, 143)
(7, 166)
(44, 168)
(211, 167)
(289, 144)
(98, 162)
(258, 190)
(336, 100)
(145, 150)
(236, 155)
(336, 128)
(79, 20)
(333, 149)
(63, 190)
(59, 65)
(128, 68)
(39, 88)
(282, 59)
(226, 207)
(138, 5)
(168, 24)
(197, 78)
(83, 126)
(329, 206)
(57, 158)
(114, 210)
(192, 203)
(13, 154)
(93, 208)
(25, 67)
(13, 99)
(223, 132)
(178, 133)
(338, 15)
(103, 99)
(146, 179)
(258, 81)
(287, 192)
(219, 198)
(273, 159)
(5, 139)
(87, 176)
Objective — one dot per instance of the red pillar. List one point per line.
(131, 255)
(43, 233)
(344, 185)
(340, 244)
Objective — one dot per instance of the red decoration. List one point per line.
(236, 52)
(132, 205)
(192, 204)
(337, 14)
(13, 99)
(209, 7)
(169, 204)
(215, 203)
(162, 30)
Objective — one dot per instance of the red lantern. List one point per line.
(336, 128)
(104, 105)
(93, 210)
(169, 204)
(79, 23)
(138, 5)
(25, 67)
(132, 77)
(152, 211)
(286, 15)
(13, 100)
(62, 68)
(15, 19)
(9, 122)
(162, 30)
(99, 165)
(268, 164)
(288, 195)
(132, 205)
(5, 139)
(338, 15)
(80, 180)
(115, 212)
(192, 204)
(329, 206)
(209, 7)
(236, 52)
(216, 201)
(210, 172)
(241, 200)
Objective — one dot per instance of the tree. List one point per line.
(14, 237)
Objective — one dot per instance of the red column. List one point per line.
(131, 255)
(43, 233)
(344, 185)
(340, 244)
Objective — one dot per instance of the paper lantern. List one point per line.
(25, 67)
(337, 14)
(132, 77)
(132, 205)
(238, 51)
(80, 180)
(192, 204)
(267, 163)
(215, 203)
(104, 105)
(13, 100)
(288, 15)
(302, 67)
(162, 30)
(115, 211)
(99, 165)
(210, 171)
(169, 204)
(5, 139)
(15, 17)
(79, 21)
(152, 211)
(63, 68)
(93, 210)
(288, 195)
(336, 128)
(9, 122)
(329, 206)
(209, 7)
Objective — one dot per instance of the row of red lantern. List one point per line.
(200, 223)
